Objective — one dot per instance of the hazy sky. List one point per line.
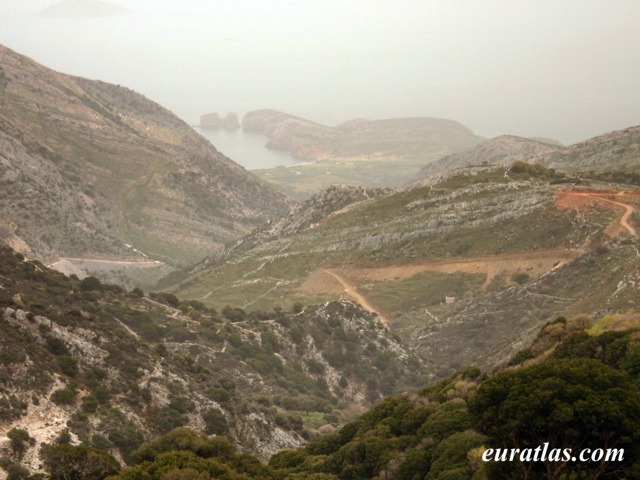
(560, 69)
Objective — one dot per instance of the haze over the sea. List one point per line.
(562, 70)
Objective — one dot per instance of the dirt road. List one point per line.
(624, 219)
(139, 263)
(336, 281)
(580, 198)
(351, 289)
(534, 263)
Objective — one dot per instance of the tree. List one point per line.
(567, 403)
(19, 439)
(184, 439)
(66, 462)
(183, 454)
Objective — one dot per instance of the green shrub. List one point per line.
(68, 365)
(68, 462)
(89, 404)
(215, 422)
(234, 314)
(90, 284)
(220, 395)
(64, 396)
(315, 367)
(64, 438)
(56, 346)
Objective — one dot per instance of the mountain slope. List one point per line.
(503, 150)
(91, 169)
(447, 266)
(115, 367)
(617, 151)
(614, 151)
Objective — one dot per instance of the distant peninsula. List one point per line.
(395, 138)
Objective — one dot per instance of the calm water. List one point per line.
(246, 149)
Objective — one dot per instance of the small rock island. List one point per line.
(213, 120)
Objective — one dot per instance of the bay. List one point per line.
(246, 149)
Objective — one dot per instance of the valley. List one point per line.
(159, 303)
(94, 170)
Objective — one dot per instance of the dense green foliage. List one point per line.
(66, 462)
(573, 403)
(524, 170)
(184, 454)
(587, 396)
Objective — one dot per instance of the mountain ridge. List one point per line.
(618, 150)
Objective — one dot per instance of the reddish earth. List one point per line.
(351, 289)
(535, 263)
(619, 201)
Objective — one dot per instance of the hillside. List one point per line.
(503, 283)
(463, 271)
(373, 153)
(614, 151)
(573, 389)
(93, 170)
(115, 367)
(499, 151)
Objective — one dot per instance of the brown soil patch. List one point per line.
(623, 202)
(346, 279)
(535, 264)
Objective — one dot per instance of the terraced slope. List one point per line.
(486, 214)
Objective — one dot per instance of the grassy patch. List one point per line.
(422, 290)
(304, 179)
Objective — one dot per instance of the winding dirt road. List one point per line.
(619, 223)
(624, 219)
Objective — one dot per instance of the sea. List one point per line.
(246, 149)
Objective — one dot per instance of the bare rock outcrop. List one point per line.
(214, 120)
